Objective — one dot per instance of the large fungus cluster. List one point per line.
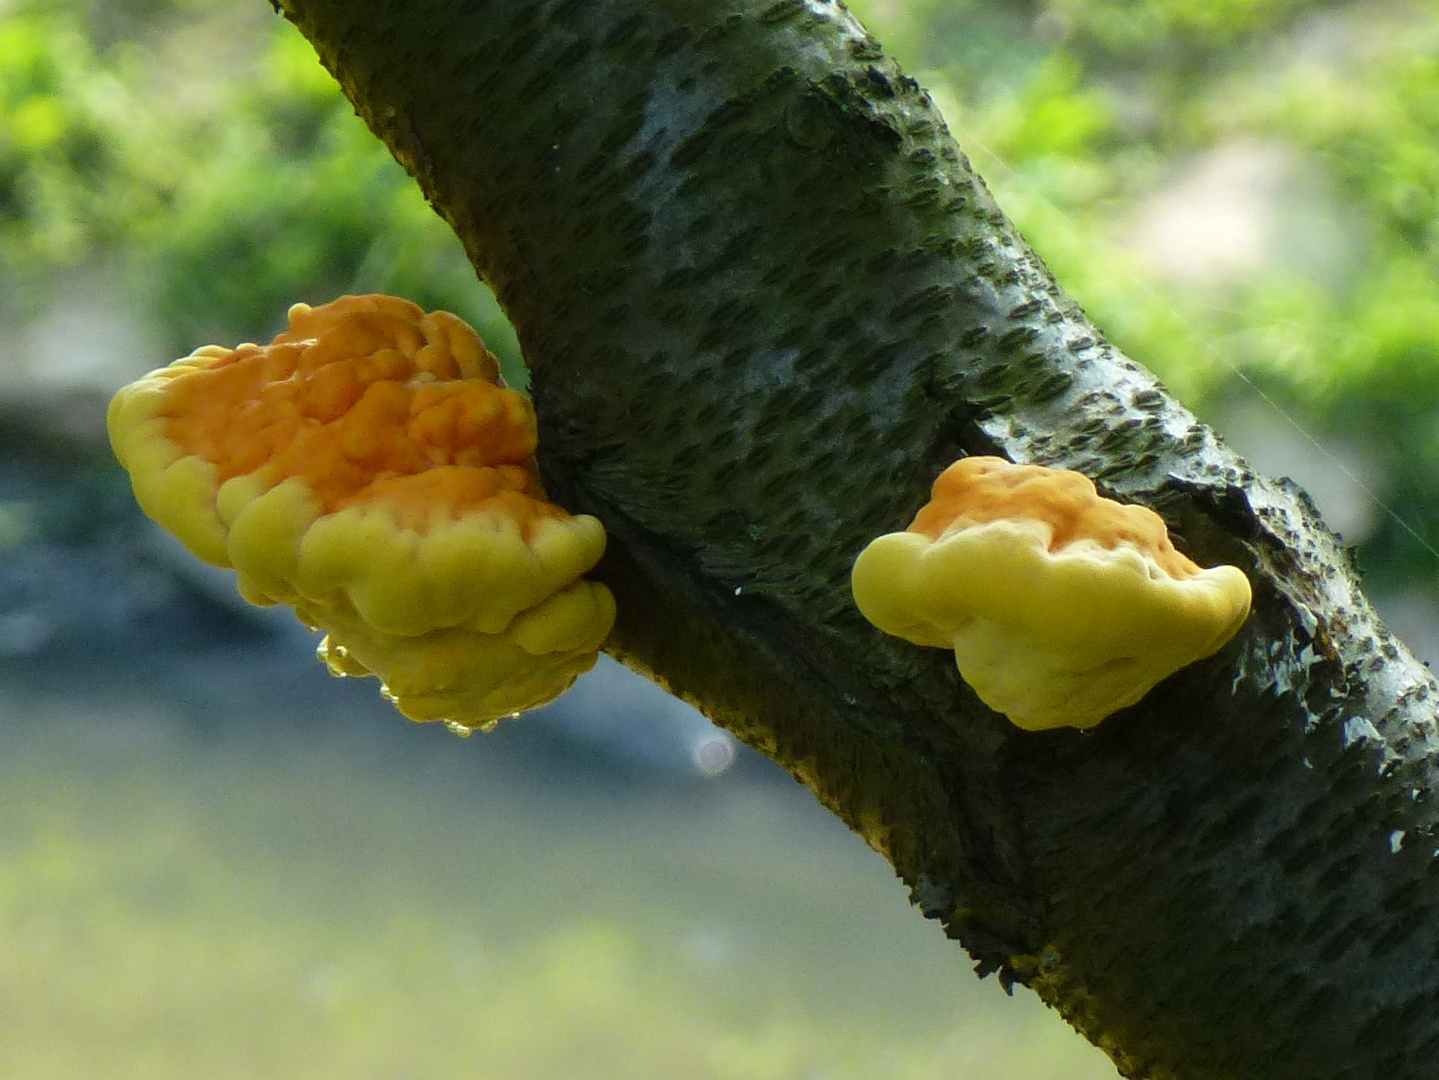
(370, 468)
(1061, 606)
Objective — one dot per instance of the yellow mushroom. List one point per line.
(1061, 606)
(370, 468)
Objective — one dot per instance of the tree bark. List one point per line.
(764, 301)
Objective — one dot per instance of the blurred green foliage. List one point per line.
(295, 200)
(199, 147)
(61, 147)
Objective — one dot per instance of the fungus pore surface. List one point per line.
(370, 468)
(1061, 606)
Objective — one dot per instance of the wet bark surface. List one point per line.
(764, 301)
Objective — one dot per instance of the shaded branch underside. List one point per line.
(764, 301)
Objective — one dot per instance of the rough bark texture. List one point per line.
(764, 301)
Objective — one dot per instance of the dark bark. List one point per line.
(764, 301)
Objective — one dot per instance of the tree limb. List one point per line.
(764, 300)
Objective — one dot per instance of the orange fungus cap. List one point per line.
(1061, 606)
(976, 490)
(362, 400)
(370, 468)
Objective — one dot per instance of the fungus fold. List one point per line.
(370, 468)
(1061, 606)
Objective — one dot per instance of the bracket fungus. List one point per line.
(1061, 606)
(370, 468)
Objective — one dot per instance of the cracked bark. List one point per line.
(764, 300)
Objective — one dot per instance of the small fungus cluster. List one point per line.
(1061, 606)
(370, 468)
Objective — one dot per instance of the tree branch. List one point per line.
(764, 301)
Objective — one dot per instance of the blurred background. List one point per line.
(215, 860)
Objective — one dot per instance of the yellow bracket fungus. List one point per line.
(370, 468)
(1061, 606)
